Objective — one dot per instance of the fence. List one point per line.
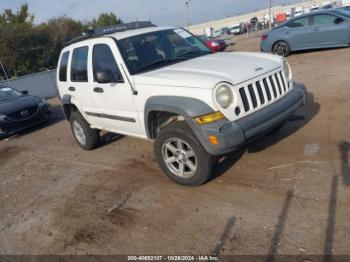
(41, 84)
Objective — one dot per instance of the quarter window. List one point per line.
(103, 59)
(79, 65)
(302, 22)
(326, 19)
(63, 67)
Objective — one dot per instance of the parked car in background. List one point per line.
(298, 11)
(327, 5)
(314, 7)
(238, 29)
(215, 45)
(316, 30)
(224, 34)
(20, 111)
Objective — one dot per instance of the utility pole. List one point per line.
(188, 13)
(3, 69)
(270, 13)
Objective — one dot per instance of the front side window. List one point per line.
(158, 49)
(103, 59)
(301, 22)
(79, 71)
(326, 19)
(63, 67)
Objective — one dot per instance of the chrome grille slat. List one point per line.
(246, 89)
(285, 81)
(280, 88)
(272, 89)
(258, 100)
(264, 93)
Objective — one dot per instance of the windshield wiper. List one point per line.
(190, 53)
(160, 62)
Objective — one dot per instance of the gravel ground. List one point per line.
(287, 193)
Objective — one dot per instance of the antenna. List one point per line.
(3, 69)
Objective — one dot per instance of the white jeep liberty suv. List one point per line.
(163, 84)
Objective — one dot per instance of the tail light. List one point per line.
(264, 37)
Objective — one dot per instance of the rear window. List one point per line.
(63, 67)
(301, 22)
(79, 65)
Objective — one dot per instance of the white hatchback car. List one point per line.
(163, 84)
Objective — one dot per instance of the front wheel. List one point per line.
(86, 137)
(281, 48)
(181, 156)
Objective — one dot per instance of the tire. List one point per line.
(281, 48)
(86, 137)
(190, 164)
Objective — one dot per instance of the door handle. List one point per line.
(98, 90)
(71, 88)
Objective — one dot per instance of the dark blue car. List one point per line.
(316, 30)
(19, 111)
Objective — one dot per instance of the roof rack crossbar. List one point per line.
(91, 33)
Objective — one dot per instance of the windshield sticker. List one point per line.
(6, 89)
(183, 33)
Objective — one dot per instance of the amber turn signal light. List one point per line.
(212, 117)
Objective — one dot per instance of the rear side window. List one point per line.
(103, 59)
(302, 22)
(79, 65)
(63, 67)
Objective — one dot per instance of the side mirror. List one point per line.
(24, 92)
(338, 21)
(105, 77)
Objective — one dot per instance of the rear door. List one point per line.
(115, 104)
(78, 84)
(299, 33)
(329, 30)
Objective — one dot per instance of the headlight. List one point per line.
(42, 103)
(287, 70)
(224, 96)
(2, 117)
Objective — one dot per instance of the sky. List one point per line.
(160, 12)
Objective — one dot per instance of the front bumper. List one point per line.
(9, 127)
(231, 135)
(265, 46)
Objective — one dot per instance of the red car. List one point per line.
(215, 45)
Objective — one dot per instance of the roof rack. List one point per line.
(92, 33)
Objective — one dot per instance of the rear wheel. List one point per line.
(86, 137)
(181, 156)
(281, 48)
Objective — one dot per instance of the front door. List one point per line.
(115, 104)
(329, 31)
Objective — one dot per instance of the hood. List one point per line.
(207, 71)
(18, 104)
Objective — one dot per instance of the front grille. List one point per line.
(259, 93)
(23, 114)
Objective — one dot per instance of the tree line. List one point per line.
(27, 48)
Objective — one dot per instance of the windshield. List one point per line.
(158, 49)
(7, 93)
